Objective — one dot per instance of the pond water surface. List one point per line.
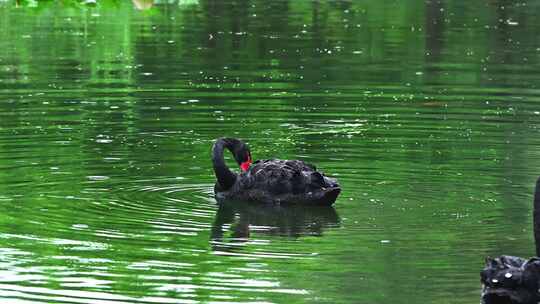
(427, 112)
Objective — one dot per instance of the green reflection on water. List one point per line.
(425, 111)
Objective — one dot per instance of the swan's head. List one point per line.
(241, 152)
(510, 280)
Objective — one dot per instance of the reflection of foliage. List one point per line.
(298, 53)
(91, 3)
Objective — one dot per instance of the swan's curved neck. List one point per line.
(226, 178)
(536, 217)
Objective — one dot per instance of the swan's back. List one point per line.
(284, 176)
(287, 181)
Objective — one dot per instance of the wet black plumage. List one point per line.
(514, 280)
(270, 181)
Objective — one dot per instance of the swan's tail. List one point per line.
(328, 196)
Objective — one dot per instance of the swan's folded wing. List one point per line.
(285, 176)
(278, 177)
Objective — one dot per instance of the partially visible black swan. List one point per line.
(269, 181)
(514, 280)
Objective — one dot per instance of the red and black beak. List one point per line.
(245, 165)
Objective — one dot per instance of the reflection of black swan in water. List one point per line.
(269, 181)
(290, 221)
(514, 280)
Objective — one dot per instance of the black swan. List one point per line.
(514, 280)
(269, 181)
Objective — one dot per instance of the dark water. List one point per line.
(427, 112)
